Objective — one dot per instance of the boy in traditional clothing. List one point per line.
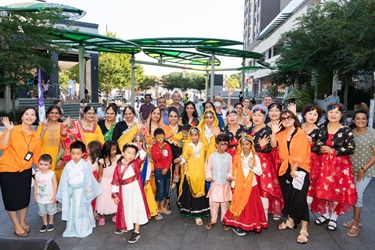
(77, 189)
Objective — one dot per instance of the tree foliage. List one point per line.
(115, 70)
(190, 81)
(25, 45)
(332, 37)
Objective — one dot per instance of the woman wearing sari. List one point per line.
(52, 133)
(125, 130)
(85, 130)
(107, 125)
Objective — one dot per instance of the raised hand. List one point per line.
(45, 125)
(230, 93)
(264, 141)
(292, 107)
(215, 130)
(8, 124)
(275, 127)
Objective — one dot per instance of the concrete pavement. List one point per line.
(176, 232)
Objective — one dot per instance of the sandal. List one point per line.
(226, 228)
(332, 225)
(350, 224)
(353, 232)
(210, 225)
(27, 229)
(321, 220)
(286, 225)
(198, 221)
(302, 237)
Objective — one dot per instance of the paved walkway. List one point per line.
(176, 232)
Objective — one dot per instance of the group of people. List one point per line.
(251, 161)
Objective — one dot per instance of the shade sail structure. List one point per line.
(179, 56)
(229, 52)
(183, 42)
(95, 42)
(35, 6)
(265, 64)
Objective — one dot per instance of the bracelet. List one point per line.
(364, 170)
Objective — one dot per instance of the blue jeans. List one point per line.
(163, 183)
(361, 187)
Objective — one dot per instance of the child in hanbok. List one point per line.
(140, 141)
(192, 200)
(246, 212)
(105, 205)
(77, 189)
(128, 193)
(219, 173)
(94, 149)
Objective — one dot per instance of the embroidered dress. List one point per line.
(233, 139)
(246, 210)
(127, 185)
(269, 186)
(192, 200)
(105, 203)
(76, 191)
(335, 186)
(314, 162)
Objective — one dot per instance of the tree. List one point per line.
(148, 82)
(25, 44)
(115, 70)
(190, 81)
(334, 37)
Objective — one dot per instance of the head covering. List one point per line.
(232, 111)
(274, 105)
(203, 119)
(259, 108)
(336, 106)
(219, 98)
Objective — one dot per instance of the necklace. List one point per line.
(307, 128)
(174, 128)
(108, 124)
(85, 126)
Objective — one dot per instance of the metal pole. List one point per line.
(243, 77)
(132, 77)
(81, 61)
(206, 88)
(212, 75)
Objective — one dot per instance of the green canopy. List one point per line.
(179, 56)
(229, 52)
(183, 42)
(95, 42)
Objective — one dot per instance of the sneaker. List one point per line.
(134, 237)
(121, 231)
(97, 217)
(158, 217)
(50, 227)
(114, 218)
(43, 229)
(166, 211)
(101, 222)
(238, 231)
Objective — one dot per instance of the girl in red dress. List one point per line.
(246, 212)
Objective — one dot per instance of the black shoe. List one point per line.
(239, 231)
(43, 229)
(50, 227)
(120, 231)
(134, 237)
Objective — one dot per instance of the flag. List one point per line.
(41, 108)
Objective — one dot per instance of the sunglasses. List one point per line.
(288, 118)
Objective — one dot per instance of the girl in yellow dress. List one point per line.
(192, 200)
(209, 128)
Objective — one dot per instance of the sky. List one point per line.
(134, 19)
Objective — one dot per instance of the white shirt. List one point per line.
(45, 186)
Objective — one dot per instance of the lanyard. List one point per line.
(28, 144)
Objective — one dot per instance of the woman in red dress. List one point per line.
(334, 192)
(269, 186)
(311, 115)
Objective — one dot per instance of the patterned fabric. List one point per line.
(364, 144)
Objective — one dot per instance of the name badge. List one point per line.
(28, 156)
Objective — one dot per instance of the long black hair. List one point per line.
(185, 118)
(106, 151)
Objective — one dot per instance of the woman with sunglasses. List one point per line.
(334, 193)
(294, 151)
